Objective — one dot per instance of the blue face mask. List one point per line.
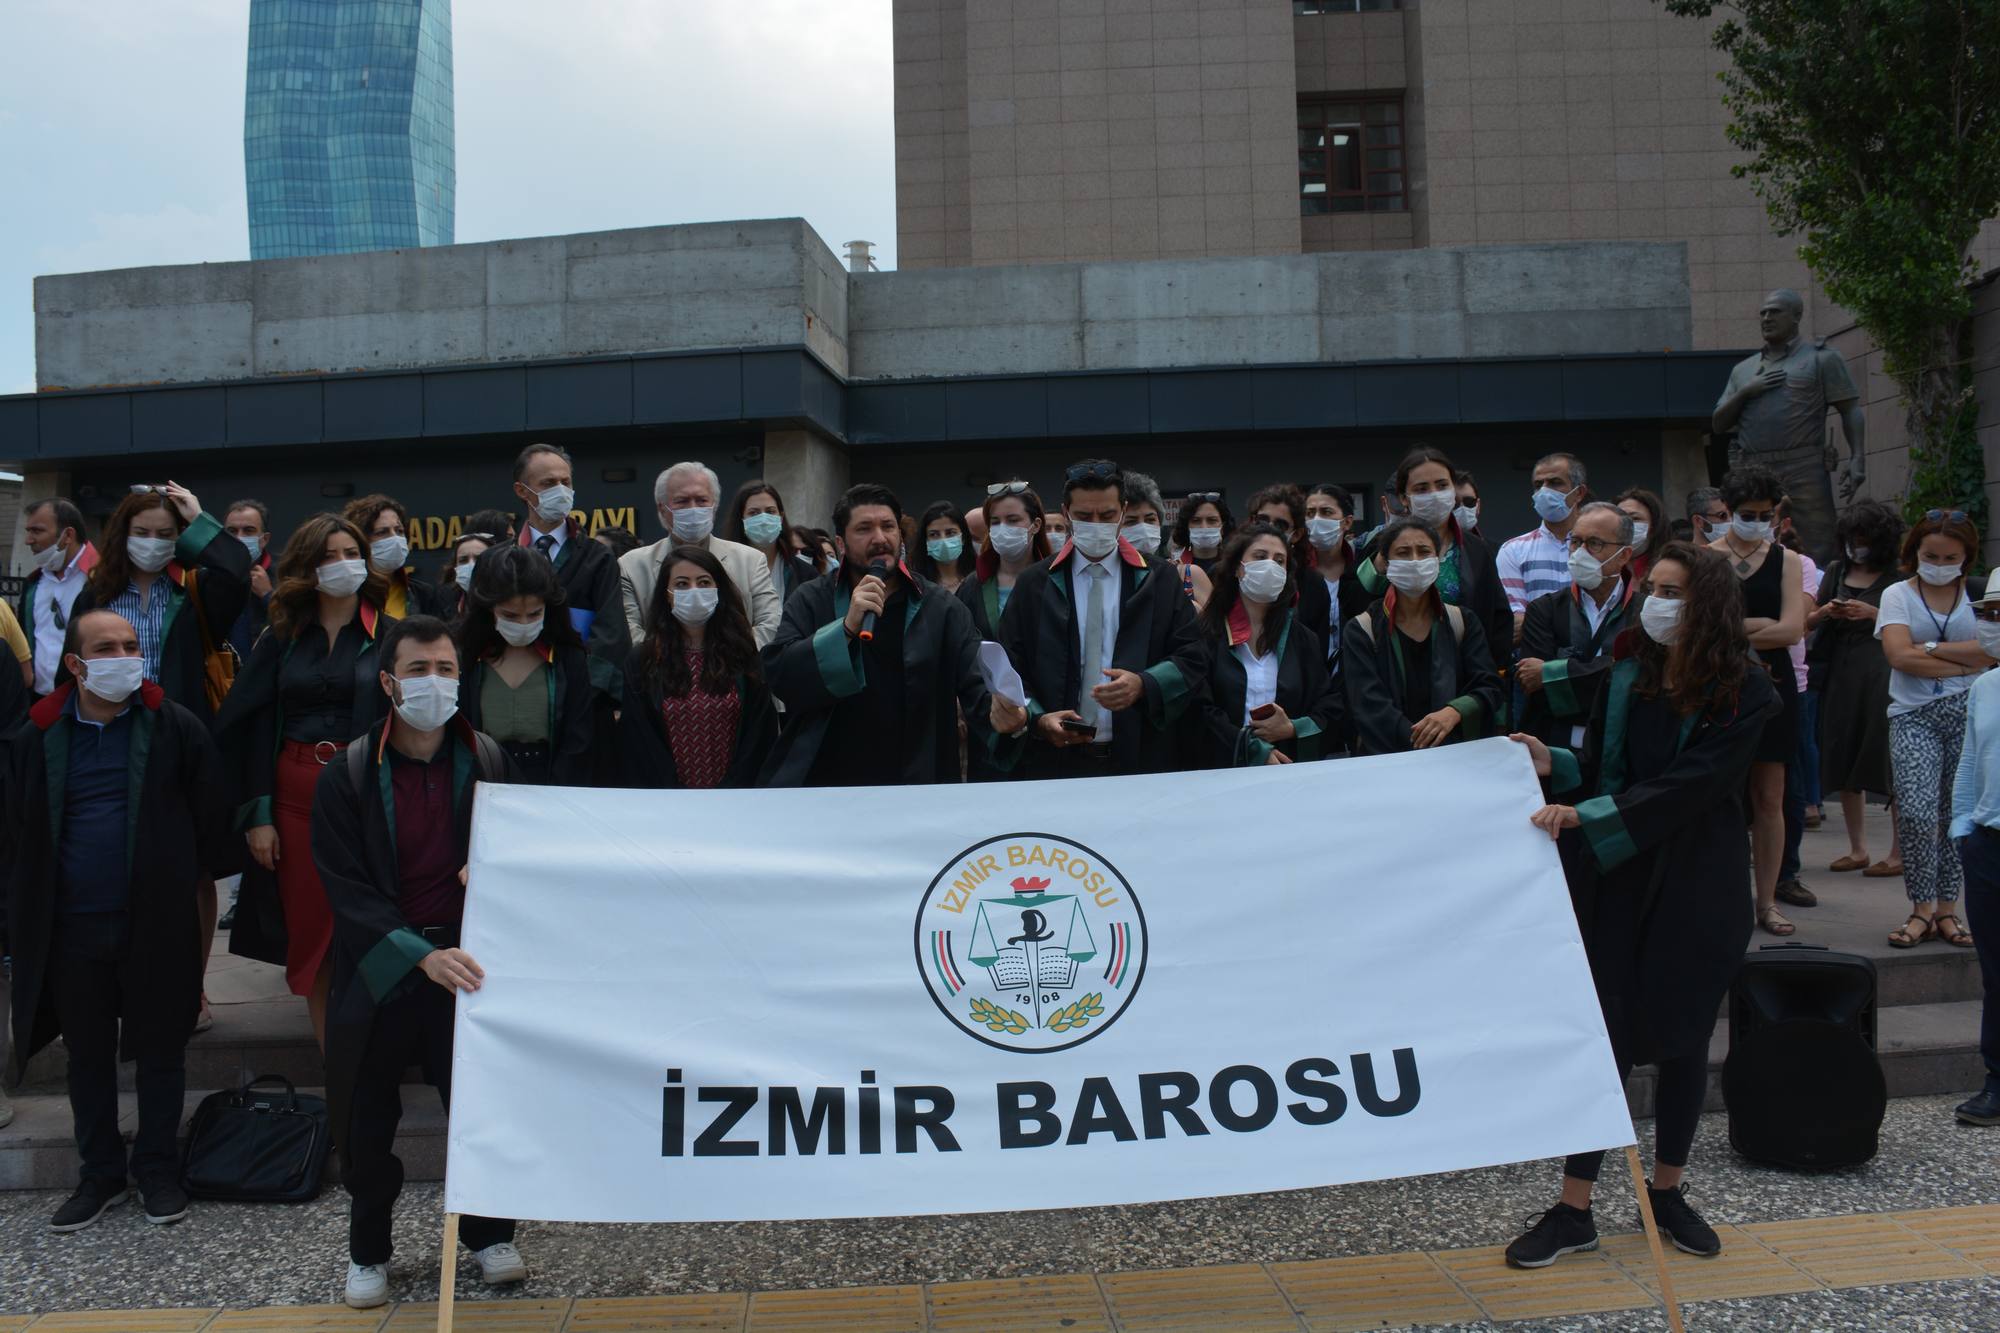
(763, 529)
(1551, 504)
(945, 549)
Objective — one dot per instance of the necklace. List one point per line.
(1742, 561)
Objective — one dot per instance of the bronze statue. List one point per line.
(1777, 401)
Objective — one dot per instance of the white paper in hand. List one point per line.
(999, 674)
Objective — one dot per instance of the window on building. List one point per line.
(1351, 155)
(1344, 6)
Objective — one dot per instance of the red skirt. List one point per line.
(308, 919)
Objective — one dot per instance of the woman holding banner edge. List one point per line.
(1659, 867)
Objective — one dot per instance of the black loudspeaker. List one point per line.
(1803, 1084)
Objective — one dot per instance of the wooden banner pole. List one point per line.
(1653, 1240)
(448, 1271)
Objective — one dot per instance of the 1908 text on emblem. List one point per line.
(1031, 942)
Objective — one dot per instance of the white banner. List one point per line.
(742, 1005)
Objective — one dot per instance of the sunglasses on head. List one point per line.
(1945, 515)
(1205, 498)
(1091, 472)
(1007, 488)
(147, 488)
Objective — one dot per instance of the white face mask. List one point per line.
(1586, 569)
(1432, 507)
(1661, 619)
(1939, 575)
(554, 504)
(1467, 516)
(1009, 542)
(113, 679)
(1640, 531)
(341, 578)
(463, 576)
(1323, 533)
(1747, 531)
(1412, 577)
(1144, 536)
(1551, 504)
(694, 606)
(1095, 540)
(520, 633)
(428, 701)
(1988, 634)
(1205, 540)
(149, 553)
(693, 525)
(1261, 580)
(763, 529)
(388, 553)
(53, 559)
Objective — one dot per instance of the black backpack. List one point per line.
(1803, 1084)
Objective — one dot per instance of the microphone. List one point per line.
(880, 569)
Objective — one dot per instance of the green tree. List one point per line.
(1872, 129)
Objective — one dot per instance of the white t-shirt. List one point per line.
(1904, 605)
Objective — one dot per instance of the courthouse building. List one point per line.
(1226, 241)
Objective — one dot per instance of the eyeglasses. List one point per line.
(1007, 488)
(1204, 498)
(1598, 547)
(1945, 515)
(1091, 472)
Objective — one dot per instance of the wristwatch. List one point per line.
(1930, 648)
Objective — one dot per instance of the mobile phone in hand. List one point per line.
(1262, 711)
(1079, 726)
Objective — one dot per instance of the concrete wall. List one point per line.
(733, 284)
(933, 179)
(1490, 301)
(1355, 54)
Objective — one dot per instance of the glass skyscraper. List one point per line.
(347, 126)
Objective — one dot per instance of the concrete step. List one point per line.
(38, 1151)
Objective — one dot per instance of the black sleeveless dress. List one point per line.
(1764, 595)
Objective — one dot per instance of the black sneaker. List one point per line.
(93, 1198)
(1681, 1224)
(1981, 1110)
(1562, 1230)
(1796, 894)
(227, 920)
(165, 1200)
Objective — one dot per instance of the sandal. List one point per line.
(1902, 937)
(1772, 920)
(1884, 870)
(1849, 862)
(1958, 935)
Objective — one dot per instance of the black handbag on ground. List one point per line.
(257, 1146)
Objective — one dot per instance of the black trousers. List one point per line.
(412, 1029)
(90, 951)
(1979, 853)
(1683, 1086)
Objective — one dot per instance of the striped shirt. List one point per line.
(1533, 565)
(149, 620)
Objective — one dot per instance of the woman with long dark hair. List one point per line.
(1267, 699)
(309, 688)
(697, 712)
(1330, 591)
(940, 552)
(1425, 484)
(1851, 675)
(1415, 668)
(1657, 864)
(757, 519)
(385, 522)
(1650, 529)
(1202, 526)
(1015, 539)
(465, 553)
(523, 676)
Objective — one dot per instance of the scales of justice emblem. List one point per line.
(1048, 961)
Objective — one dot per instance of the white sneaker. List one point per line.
(501, 1263)
(367, 1285)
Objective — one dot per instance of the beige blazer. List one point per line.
(639, 571)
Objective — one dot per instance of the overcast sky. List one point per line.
(121, 127)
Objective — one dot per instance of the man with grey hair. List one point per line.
(1536, 563)
(1566, 636)
(686, 496)
(1776, 403)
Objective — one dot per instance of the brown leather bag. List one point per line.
(218, 661)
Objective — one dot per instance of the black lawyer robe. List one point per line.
(1157, 639)
(375, 953)
(814, 668)
(572, 732)
(250, 728)
(1461, 674)
(588, 575)
(220, 567)
(174, 833)
(1307, 695)
(1479, 592)
(1575, 660)
(647, 755)
(1660, 867)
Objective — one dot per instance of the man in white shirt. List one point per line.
(53, 530)
(686, 495)
(1536, 563)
